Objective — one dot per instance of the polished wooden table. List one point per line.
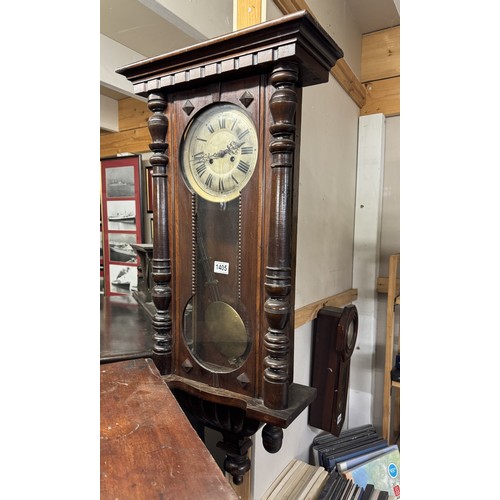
(126, 331)
(149, 450)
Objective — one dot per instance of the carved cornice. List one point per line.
(290, 38)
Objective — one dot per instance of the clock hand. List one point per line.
(234, 146)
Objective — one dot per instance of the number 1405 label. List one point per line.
(221, 267)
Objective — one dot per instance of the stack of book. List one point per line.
(298, 481)
(360, 463)
(356, 465)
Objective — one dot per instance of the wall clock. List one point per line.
(335, 334)
(225, 126)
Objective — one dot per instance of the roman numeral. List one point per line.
(234, 179)
(221, 184)
(211, 128)
(243, 134)
(222, 122)
(200, 139)
(243, 166)
(209, 180)
(201, 169)
(247, 150)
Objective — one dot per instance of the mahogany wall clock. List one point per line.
(225, 126)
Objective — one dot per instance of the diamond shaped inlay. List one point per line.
(243, 379)
(188, 107)
(187, 365)
(246, 98)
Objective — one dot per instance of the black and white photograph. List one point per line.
(122, 278)
(120, 182)
(121, 215)
(120, 247)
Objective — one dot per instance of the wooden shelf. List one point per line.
(390, 286)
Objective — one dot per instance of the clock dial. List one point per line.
(219, 152)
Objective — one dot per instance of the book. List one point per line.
(340, 448)
(329, 485)
(382, 471)
(314, 486)
(346, 494)
(320, 443)
(331, 458)
(367, 493)
(349, 464)
(340, 486)
(298, 481)
(285, 489)
(284, 473)
(345, 433)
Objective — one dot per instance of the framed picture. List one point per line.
(149, 189)
(121, 222)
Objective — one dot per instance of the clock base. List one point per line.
(238, 418)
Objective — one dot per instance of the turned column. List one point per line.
(278, 280)
(161, 271)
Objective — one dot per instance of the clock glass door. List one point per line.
(215, 327)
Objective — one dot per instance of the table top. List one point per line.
(126, 330)
(148, 447)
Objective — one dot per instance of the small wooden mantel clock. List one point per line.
(225, 130)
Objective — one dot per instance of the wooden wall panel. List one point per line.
(134, 136)
(380, 55)
(132, 113)
(128, 141)
(249, 12)
(382, 97)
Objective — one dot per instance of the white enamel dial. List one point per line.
(219, 152)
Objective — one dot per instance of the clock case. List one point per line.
(262, 69)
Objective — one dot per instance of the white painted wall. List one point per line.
(335, 17)
(109, 114)
(200, 19)
(113, 56)
(326, 193)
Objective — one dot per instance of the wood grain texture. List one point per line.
(380, 55)
(309, 312)
(249, 12)
(394, 261)
(148, 447)
(129, 141)
(382, 96)
(132, 113)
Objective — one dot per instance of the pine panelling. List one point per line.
(309, 312)
(132, 113)
(249, 13)
(380, 55)
(129, 141)
(134, 136)
(382, 97)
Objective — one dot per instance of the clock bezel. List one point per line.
(204, 116)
